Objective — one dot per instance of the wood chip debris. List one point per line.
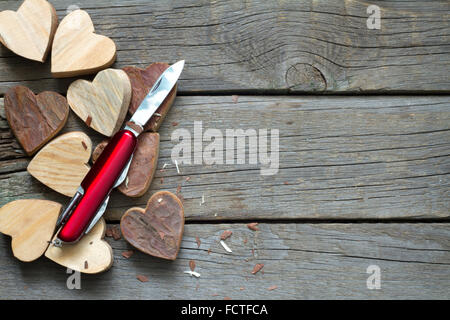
(142, 278)
(192, 265)
(235, 98)
(113, 232)
(88, 121)
(193, 273)
(253, 226)
(197, 239)
(226, 234)
(187, 179)
(224, 245)
(174, 124)
(127, 254)
(272, 288)
(257, 268)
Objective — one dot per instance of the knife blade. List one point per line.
(90, 201)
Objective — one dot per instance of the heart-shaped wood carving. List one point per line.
(103, 103)
(78, 50)
(142, 167)
(156, 230)
(61, 164)
(29, 31)
(91, 254)
(31, 224)
(34, 120)
(142, 80)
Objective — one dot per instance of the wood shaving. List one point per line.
(88, 121)
(272, 288)
(226, 234)
(127, 254)
(197, 239)
(193, 273)
(224, 245)
(253, 226)
(257, 268)
(235, 98)
(192, 265)
(187, 179)
(113, 232)
(142, 278)
(174, 124)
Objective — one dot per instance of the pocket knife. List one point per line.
(111, 168)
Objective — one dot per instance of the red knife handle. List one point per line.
(98, 183)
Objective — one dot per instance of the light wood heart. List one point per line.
(31, 224)
(91, 254)
(103, 103)
(35, 119)
(78, 50)
(29, 31)
(156, 230)
(61, 164)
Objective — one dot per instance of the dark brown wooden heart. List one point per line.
(156, 230)
(142, 167)
(142, 80)
(35, 119)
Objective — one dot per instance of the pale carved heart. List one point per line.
(156, 230)
(29, 31)
(35, 119)
(62, 164)
(91, 254)
(78, 50)
(103, 103)
(31, 224)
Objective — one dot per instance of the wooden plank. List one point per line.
(339, 158)
(296, 45)
(304, 261)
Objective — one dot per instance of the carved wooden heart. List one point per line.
(142, 80)
(90, 255)
(31, 224)
(142, 167)
(156, 230)
(34, 120)
(61, 164)
(29, 31)
(102, 103)
(78, 50)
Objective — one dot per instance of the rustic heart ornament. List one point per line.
(156, 230)
(142, 80)
(103, 103)
(78, 50)
(142, 167)
(33, 119)
(29, 31)
(61, 164)
(91, 254)
(31, 224)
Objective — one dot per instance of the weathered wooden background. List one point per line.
(364, 122)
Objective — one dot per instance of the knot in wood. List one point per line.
(305, 77)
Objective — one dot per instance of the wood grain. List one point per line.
(305, 261)
(31, 224)
(340, 158)
(142, 80)
(157, 229)
(77, 50)
(281, 46)
(103, 103)
(35, 119)
(90, 255)
(143, 166)
(29, 31)
(61, 164)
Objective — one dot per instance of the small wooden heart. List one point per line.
(29, 31)
(78, 50)
(142, 80)
(103, 103)
(91, 254)
(156, 230)
(61, 164)
(142, 167)
(33, 119)
(31, 224)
